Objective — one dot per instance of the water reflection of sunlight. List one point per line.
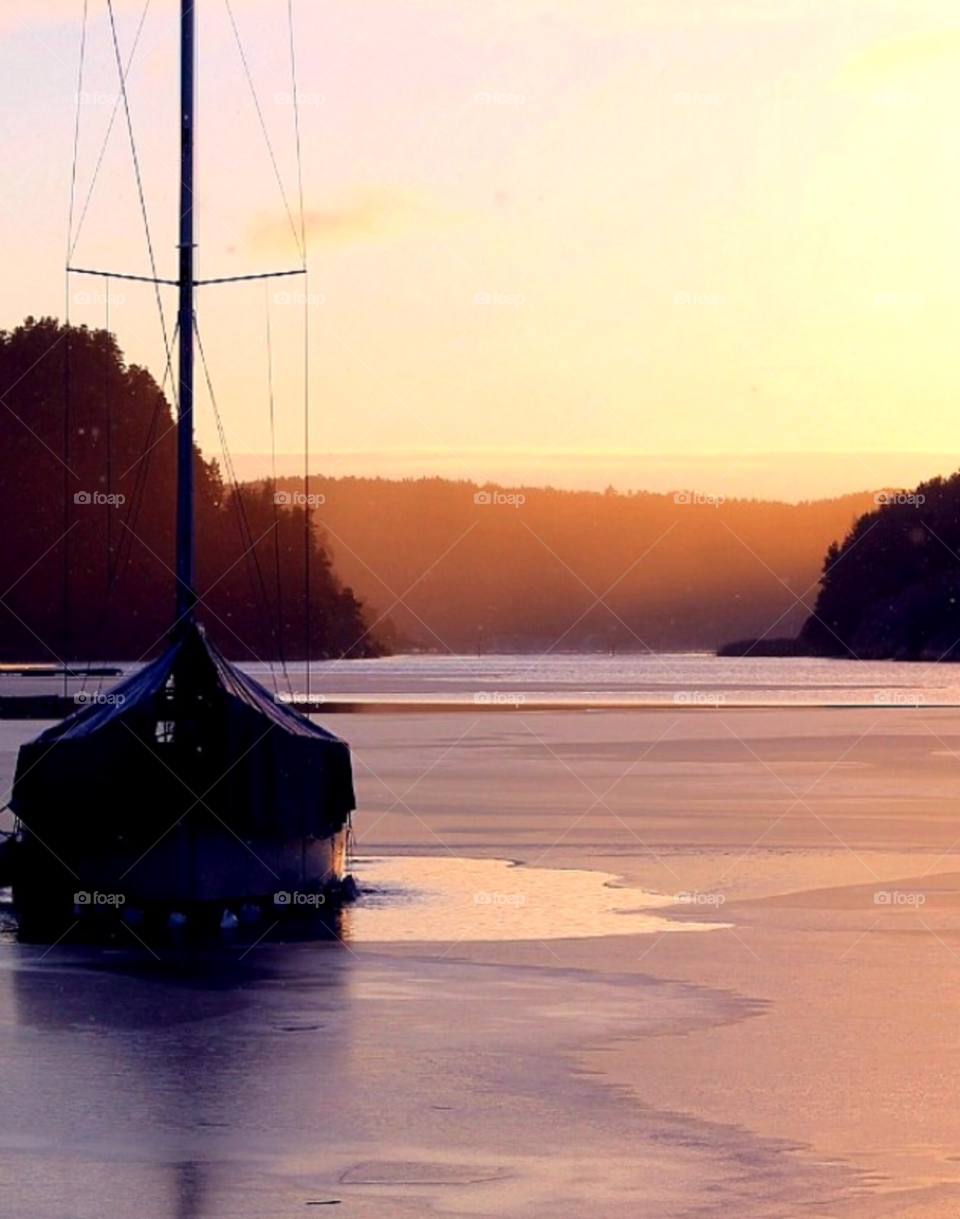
(411, 898)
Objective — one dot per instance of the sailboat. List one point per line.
(192, 796)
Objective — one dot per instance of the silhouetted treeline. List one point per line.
(89, 580)
(892, 589)
(502, 576)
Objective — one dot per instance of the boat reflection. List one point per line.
(171, 1080)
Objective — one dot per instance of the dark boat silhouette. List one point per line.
(193, 788)
(191, 794)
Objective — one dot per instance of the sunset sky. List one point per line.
(815, 168)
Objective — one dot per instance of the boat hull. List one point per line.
(193, 792)
(199, 877)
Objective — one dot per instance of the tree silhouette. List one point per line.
(95, 579)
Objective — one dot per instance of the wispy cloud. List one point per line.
(364, 212)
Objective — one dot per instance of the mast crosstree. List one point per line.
(106, 801)
(186, 283)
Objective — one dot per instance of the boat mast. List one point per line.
(186, 596)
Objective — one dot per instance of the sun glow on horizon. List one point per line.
(601, 242)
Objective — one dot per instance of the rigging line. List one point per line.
(246, 540)
(65, 567)
(106, 139)
(276, 509)
(246, 534)
(263, 125)
(307, 523)
(76, 135)
(122, 559)
(138, 174)
(296, 130)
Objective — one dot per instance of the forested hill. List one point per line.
(87, 491)
(891, 590)
(455, 573)
(87, 500)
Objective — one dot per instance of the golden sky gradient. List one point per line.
(812, 174)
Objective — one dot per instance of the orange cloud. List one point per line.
(364, 212)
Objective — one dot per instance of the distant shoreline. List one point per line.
(50, 708)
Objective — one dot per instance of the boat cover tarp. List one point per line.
(239, 759)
